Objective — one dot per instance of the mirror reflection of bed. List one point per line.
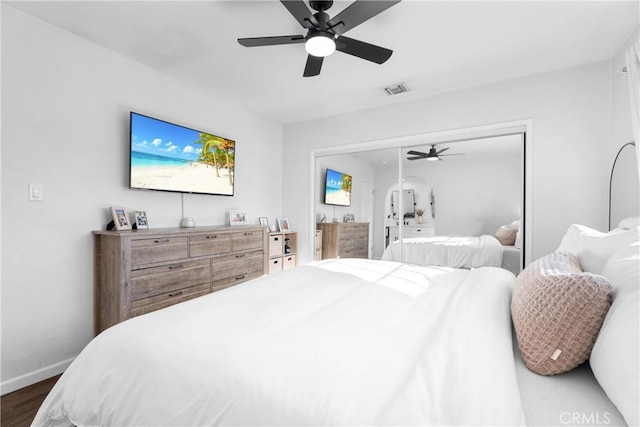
(475, 193)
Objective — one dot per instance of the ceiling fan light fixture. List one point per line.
(320, 44)
(432, 158)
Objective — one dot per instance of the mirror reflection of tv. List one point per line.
(169, 157)
(337, 188)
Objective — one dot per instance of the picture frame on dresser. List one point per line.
(264, 221)
(237, 217)
(283, 224)
(120, 218)
(141, 220)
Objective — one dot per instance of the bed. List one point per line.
(337, 342)
(447, 251)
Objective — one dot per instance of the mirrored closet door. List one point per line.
(425, 193)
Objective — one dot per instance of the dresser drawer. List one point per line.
(209, 244)
(422, 232)
(235, 280)
(148, 282)
(247, 240)
(352, 229)
(346, 251)
(361, 252)
(361, 241)
(147, 251)
(147, 305)
(345, 241)
(236, 265)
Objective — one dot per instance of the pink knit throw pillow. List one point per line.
(557, 311)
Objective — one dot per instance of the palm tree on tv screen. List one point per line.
(213, 150)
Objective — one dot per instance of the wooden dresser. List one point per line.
(140, 271)
(344, 239)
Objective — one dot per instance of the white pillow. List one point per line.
(576, 237)
(615, 358)
(594, 248)
(629, 223)
(596, 253)
(514, 224)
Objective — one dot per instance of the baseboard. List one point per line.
(34, 377)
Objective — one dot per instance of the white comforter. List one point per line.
(447, 251)
(316, 345)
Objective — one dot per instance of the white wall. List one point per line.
(65, 105)
(621, 130)
(474, 195)
(571, 114)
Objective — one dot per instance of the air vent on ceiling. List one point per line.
(396, 89)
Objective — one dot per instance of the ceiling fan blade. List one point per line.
(363, 50)
(357, 13)
(415, 158)
(313, 66)
(453, 154)
(301, 12)
(416, 153)
(443, 150)
(271, 41)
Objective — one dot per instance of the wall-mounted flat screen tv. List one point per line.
(169, 157)
(337, 188)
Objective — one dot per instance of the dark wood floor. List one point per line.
(20, 407)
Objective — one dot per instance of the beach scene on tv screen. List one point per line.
(165, 156)
(338, 188)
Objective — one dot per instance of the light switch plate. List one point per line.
(36, 193)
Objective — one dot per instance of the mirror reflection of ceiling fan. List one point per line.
(432, 155)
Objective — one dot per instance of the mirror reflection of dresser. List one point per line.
(392, 233)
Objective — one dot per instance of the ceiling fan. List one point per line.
(325, 34)
(432, 155)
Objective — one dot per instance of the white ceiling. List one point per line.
(504, 147)
(438, 46)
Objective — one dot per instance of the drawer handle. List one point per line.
(176, 267)
(176, 294)
(248, 233)
(240, 255)
(240, 277)
(212, 237)
(161, 241)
